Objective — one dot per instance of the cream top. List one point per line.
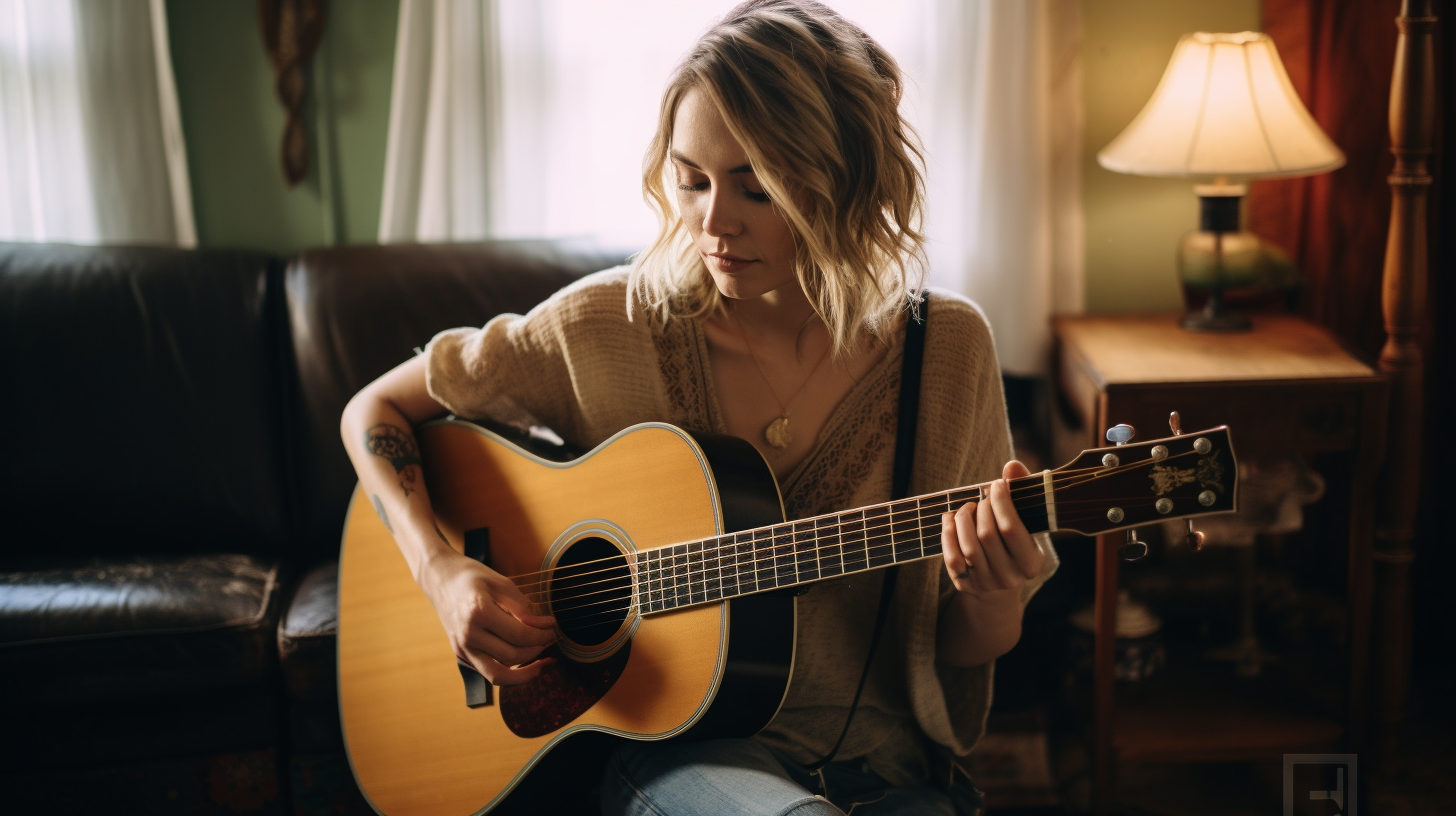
(578, 365)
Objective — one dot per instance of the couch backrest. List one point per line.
(356, 312)
(140, 400)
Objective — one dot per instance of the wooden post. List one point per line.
(1104, 675)
(1412, 113)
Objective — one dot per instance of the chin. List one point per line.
(747, 287)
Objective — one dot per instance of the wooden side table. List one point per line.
(1284, 388)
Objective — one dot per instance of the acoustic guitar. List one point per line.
(666, 560)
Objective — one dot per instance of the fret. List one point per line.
(806, 552)
(785, 568)
(853, 553)
(905, 531)
(712, 570)
(727, 547)
(828, 530)
(647, 577)
(878, 546)
(748, 563)
(679, 588)
(650, 581)
(1031, 502)
(696, 594)
(737, 576)
(639, 585)
(930, 508)
(965, 494)
(763, 560)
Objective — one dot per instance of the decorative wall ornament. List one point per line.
(292, 30)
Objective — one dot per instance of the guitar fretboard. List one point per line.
(812, 549)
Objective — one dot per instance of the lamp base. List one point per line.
(1215, 317)
(1201, 321)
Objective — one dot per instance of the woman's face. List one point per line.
(747, 246)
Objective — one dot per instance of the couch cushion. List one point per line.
(357, 312)
(308, 637)
(108, 628)
(141, 400)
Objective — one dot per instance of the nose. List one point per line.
(721, 217)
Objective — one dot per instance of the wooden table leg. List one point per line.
(1104, 675)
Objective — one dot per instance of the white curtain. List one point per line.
(91, 146)
(528, 119)
(438, 171)
(1005, 147)
(516, 119)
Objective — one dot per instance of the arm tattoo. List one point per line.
(383, 516)
(398, 447)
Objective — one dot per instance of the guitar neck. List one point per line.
(812, 549)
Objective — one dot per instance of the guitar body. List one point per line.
(718, 669)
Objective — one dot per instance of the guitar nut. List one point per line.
(1110, 460)
(1207, 498)
(1159, 452)
(1164, 506)
(1202, 445)
(1115, 515)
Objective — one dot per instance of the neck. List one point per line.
(778, 315)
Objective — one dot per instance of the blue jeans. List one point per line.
(741, 776)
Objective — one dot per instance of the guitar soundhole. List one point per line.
(591, 591)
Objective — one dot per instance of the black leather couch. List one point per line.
(174, 497)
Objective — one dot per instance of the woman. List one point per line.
(772, 307)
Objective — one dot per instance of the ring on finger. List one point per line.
(965, 573)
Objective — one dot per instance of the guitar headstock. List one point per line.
(1116, 488)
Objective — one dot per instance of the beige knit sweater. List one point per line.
(578, 365)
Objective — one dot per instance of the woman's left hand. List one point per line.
(986, 547)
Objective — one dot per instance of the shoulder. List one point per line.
(956, 324)
(599, 293)
(597, 306)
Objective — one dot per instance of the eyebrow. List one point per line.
(680, 158)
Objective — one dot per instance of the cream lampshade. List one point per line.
(1223, 113)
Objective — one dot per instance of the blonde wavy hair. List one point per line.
(815, 103)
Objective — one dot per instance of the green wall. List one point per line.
(1133, 223)
(234, 125)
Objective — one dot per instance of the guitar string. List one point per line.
(738, 570)
(636, 596)
(919, 543)
(770, 558)
(697, 566)
(1069, 480)
(936, 500)
(710, 557)
(761, 568)
(736, 575)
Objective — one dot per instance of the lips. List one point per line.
(726, 262)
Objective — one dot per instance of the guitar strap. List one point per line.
(899, 488)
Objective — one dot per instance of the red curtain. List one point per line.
(1339, 57)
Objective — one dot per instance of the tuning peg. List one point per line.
(1133, 549)
(1175, 422)
(1195, 538)
(1120, 434)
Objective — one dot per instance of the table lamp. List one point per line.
(1223, 113)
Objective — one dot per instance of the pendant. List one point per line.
(777, 433)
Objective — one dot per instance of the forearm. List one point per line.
(978, 628)
(378, 434)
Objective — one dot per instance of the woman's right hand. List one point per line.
(487, 619)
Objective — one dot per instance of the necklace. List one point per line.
(777, 433)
